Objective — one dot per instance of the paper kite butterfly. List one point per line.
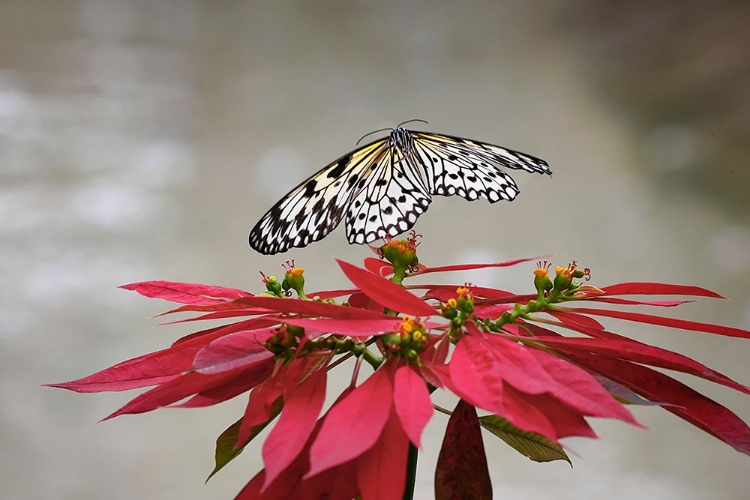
(383, 187)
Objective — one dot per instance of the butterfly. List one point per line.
(383, 187)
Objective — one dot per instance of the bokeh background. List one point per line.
(143, 139)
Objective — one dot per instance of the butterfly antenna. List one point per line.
(412, 121)
(370, 133)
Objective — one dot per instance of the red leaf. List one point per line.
(331, 294)
(229, 390)
(670, 322)
(258, 409)
(467, 267)
(445, 292)
(546, 410)
(185, 293)
(644, 354)
(628, 302)
(362, 301)
(381, 471)
(302, 406)
(150, 369)
(412, 402)
(681, 399)
(180, 388)
(351, 427)
(234, 351)
(386, 292)
(571, 318)
(462, 464)
(205, 337)
(639, 288)
(355, 328)
(379, 267)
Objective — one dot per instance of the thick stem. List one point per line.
(411, 472)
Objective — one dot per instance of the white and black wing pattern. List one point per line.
(318, 205)
(395, 196)
(471, 169)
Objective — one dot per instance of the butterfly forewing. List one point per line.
(317, 206)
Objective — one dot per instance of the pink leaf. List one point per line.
(381, 471)
(352, 426)
(412, 401)
(628, 302)
(302, 405)
(571, 318)
(388, 293)
(185, 293)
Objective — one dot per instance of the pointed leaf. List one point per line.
(683, 401)
(234, 351)
(381, 471)
(301, 409)
(531, 445)
(462, 464)
(670, 322)
(352, 426)
(379, 267)
(640, 288)
(386, 292)
(185, 293)
(412, 402)
(355, 328)
(468, 267)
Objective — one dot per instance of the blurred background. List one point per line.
(143, 139)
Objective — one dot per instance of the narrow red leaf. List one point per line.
(641, 288)
(645, 354)
(229, 390)
(562, 418)
(355, 328)
(571, 318)
(180, 388)
(351, 427)
(259, 408)
(412, 402)
(445, 292)
(381, 471)
(461, 470)
(467, 267)
(386, 292)
(185, 293)
(681, 400)
(332, 294)
(150, 369)
(233, 351)
(629, 302)
(302, 405)
(670, 322)
(362, 301)
(205, 337)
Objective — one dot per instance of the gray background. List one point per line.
(142, 140)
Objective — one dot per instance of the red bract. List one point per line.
(500, 352)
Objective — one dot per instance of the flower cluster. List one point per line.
(505, 354)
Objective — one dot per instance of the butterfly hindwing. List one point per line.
(395, 197)
(316, 206)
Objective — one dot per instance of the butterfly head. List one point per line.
(401, 139)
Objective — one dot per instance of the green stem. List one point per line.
(411, 472)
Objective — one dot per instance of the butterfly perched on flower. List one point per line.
(381, 188)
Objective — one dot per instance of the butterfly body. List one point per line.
(382, 188)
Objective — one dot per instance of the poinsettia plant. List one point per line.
(535, 365)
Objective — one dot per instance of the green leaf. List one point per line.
(529, 444)
(226, 444)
